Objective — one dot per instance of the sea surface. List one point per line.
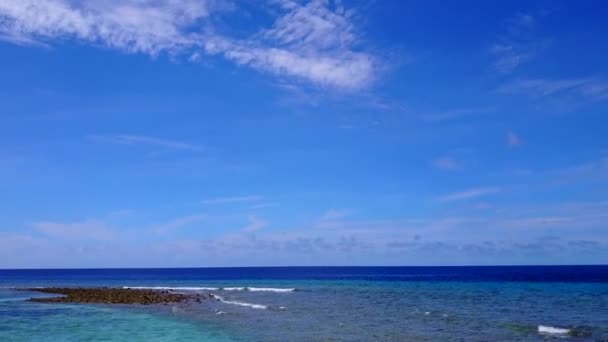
(532, 303)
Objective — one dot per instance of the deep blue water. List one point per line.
(597, 273)
(322, 304)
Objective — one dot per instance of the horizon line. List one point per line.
(300, 266)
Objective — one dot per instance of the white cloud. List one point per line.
(315, 41)
(471, 193)
(146, 140)
(310, 41)
(222, 200)
(313, 24)
(131, 25)
(342, 69)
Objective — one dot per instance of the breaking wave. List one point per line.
(543, 329)
(253, 306)
(190, 288)
(181, 288)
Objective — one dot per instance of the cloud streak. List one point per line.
(179, 222)
(254, 224)
(590, 89)
(147, 140)
(335, 214)
(236, 199)
(76, 231)
(447, 164)
(470, 194)
(517, 44)
(314, 42)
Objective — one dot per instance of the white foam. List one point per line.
(253, 306)
(183, 288)
(257, 289)
(543, 329)
(269, 289)
(190, 288)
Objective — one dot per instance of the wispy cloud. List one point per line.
(518, 43)
(265, 205)
(540, 221)
(455, 114)
(335, 214)
(73, 231)
(590, 89)
(314, 41)
(121, 213)
(236, 199)
(134, 26)
(470, 194)
(513, 140)
(592, 170)
(179, 222)
(146, 140)
(334, 218)
(447, 164)
(254, 224)
(100, 231)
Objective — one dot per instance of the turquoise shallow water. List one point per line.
(357, 305)
(25, 321)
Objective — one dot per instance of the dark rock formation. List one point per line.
(113, 296)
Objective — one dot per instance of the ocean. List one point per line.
(510, 303)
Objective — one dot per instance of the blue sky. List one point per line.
(213, 133)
